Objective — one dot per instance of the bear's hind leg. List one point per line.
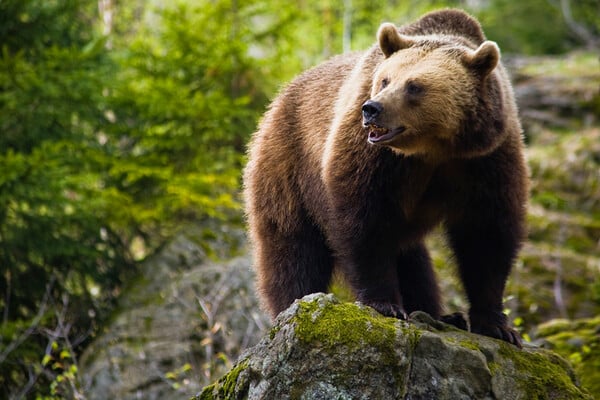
(416, 278)
(291, 265)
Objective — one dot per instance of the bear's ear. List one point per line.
(390, 41)
(484, 59)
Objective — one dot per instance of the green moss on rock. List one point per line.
(228, 387)
(579, 342)
(541, 374)
(343, 325)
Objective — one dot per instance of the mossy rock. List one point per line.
(321, 348)
(579, 342)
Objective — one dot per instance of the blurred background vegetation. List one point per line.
(124, 122)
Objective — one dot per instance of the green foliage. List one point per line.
(177, 376)
(57, 237)
(587, 14)
(531, 27)
(540, 26)
(33, 25)
(183, 109)
(107, 148)
(61, 362)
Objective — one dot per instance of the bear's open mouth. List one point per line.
(379, 134)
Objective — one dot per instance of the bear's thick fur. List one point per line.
(360, 157)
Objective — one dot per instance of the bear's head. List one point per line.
(427, 91)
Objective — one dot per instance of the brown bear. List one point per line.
(360, 157)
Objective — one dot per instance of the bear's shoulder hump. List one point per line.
(447, 22)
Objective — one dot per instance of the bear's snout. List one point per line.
(370, 111)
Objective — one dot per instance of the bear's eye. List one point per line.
(384, 83)
(414, 89)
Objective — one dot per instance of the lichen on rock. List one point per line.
(321, 348)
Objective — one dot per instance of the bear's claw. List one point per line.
(456, 319)
(388, 309)
(497, 331)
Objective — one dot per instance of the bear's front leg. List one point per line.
(367, 256)
(485, 249)
(363, 217)
(376, 285)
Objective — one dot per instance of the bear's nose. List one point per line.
(370, 110)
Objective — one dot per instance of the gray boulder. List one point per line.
(177, 328)
(321, 348)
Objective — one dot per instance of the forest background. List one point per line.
(125, 122)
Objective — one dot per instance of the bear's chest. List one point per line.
(424, 194)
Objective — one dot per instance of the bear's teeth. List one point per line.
(377, 131)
